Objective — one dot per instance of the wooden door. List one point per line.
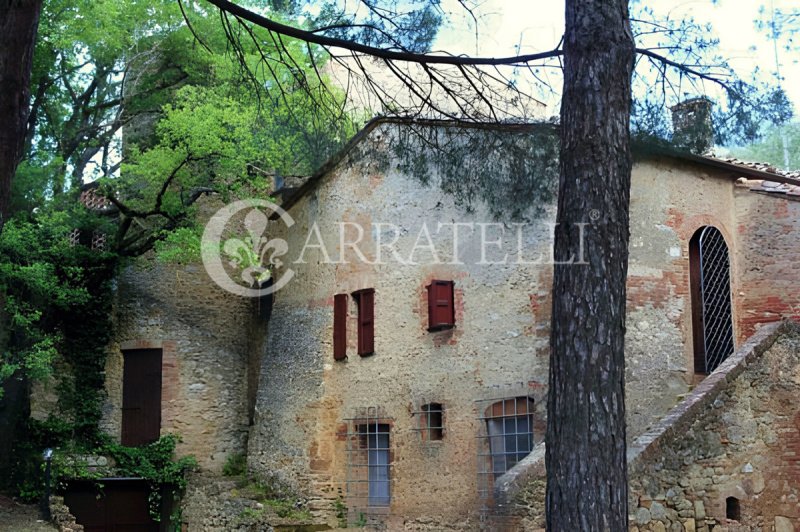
(121, 505)
(141, 397)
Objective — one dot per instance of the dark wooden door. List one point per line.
(141, 397)
(121, 505)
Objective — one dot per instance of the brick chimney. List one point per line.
(692, 129)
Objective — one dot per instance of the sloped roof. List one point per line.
(761, 177)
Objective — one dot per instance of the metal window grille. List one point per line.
(431, 421)
(716, 297)
(369, 463)
(92, 200)
(505, 438)
(74, 237)
(98, 240)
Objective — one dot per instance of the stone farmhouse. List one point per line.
(403, 369)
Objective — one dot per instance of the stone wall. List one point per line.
(207, 337)
(737, 435)
(499, 347)
(670, 201)
(733, 452)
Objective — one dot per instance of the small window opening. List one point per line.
(712, 316)
(432, 422)
(374, 439)
(733, 509)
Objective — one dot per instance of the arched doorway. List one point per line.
(712, 322)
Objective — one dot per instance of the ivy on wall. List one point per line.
(58, 302)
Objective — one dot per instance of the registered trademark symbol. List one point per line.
(594, 215)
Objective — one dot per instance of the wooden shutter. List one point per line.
(441, 310)
(141, 396)
(366, 321)
(340, 326)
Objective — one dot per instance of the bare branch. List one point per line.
(381, 53)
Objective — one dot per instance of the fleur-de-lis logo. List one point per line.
(248, 254)
(253, 255)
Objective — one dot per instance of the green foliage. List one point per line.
(777, 143)
(235, 465)
(27, 472)
(276, 500)
(341, 512)
(250, 514)
(287, 509)
(180, 246)
(154, 462)
(513, 171)
(51, 303)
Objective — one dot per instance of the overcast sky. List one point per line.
(537, 25)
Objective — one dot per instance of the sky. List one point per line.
(537, 25)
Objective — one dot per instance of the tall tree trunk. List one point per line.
(19, 20)
(586, 466)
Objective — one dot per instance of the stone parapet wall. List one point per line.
(728, 457)
(732, 445)
(60, 516)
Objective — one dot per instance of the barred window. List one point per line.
(509, 426)
(431, 422)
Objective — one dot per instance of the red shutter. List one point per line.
(441, 310)
(340, 326)
(366, 321)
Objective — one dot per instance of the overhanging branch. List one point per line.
(382, 53)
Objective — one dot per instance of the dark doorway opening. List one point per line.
(712, 321)
(111, 505)
(733, 509)
(141, 397)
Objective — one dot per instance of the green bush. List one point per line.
(235, 465)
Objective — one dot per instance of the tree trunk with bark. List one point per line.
(586, 465)
(19, 20)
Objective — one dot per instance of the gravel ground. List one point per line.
(16, 517)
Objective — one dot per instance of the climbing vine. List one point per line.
(58, 298)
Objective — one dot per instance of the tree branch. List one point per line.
(382, 53)
(683, 68)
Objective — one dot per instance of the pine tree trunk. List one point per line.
(586, 467)
(19, 20)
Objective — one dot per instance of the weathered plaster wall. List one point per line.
(670, 201)
(498, 349)
(769, 258)
(205, 335)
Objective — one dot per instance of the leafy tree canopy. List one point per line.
(774, 146)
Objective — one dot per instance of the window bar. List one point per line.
(430, 422)
(505, 437)
(369, 445)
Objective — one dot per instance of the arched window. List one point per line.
(509, 425)
(712, 323)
